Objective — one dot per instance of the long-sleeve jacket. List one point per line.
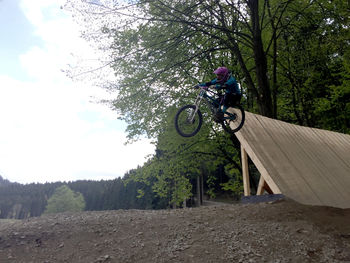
(230, 86)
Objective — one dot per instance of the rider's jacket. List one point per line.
(230, 86)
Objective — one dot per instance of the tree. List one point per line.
(292, 56)
(3, 181)
(281, 50)
(160, 48)
(179, 161)
(64, 199)
(312, 67)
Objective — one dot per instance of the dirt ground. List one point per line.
(280, 231)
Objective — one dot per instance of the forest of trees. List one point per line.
(292, 58)
(22, 201)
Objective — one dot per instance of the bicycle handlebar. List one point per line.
(206, 88)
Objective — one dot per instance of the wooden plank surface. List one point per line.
(309, 165)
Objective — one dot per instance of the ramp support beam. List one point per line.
(245, 172)
(271, 187)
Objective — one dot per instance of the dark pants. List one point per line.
(231, 100)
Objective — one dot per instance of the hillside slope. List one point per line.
(282, 231)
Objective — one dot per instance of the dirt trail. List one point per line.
(282, 231)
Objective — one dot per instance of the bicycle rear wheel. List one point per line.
(187, 121)
(234, 119)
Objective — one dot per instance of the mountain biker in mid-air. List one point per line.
(189, 118)
(225, 81)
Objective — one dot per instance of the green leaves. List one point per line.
(333, 112)
(313, 75)
(235, 183)
(292, 58)
(179, 161)
(63, 200)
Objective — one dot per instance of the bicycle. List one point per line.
(189, 119)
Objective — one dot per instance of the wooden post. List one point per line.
(245, 171)
(261, 188)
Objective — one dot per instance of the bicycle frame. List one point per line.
(189, 118)
(208, 99)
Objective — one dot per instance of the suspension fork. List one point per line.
(196, 104)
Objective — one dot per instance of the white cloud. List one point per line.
(38, 11)
(49, 129)
(60, 35)
(44, 137)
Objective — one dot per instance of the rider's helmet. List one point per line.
(222, 74)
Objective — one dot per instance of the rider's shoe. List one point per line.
(219, 116)
(216, 120)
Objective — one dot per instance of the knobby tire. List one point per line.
(236, 124)
(182, 123)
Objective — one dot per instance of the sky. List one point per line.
(51, 127)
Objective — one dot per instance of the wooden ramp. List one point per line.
(311, 166)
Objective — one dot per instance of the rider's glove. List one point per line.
(196, 86)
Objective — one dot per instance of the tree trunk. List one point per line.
(252, 91)
(264, 92)
(198, 191)
(274, 82)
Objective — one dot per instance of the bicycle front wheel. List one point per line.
(234, 119)
(188, 121)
